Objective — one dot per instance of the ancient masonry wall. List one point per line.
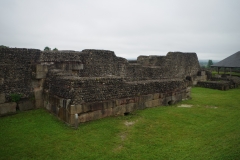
(96, 98)
(16, 77)
(93, 84)
(220, 83)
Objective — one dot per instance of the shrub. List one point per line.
(15, 97)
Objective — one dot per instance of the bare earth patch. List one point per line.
(185, 105)
(129, 123)
(212, 107)
(123, 135)
(118, 149)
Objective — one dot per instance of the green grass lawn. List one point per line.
(232, 73)
(210, 129)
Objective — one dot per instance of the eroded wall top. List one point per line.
(19, 66)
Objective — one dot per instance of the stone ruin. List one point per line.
(220, 82)
(92, 84)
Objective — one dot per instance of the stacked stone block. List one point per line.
(220, 83)
(97, 110)
(97, 97)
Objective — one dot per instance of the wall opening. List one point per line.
(189, 78)
(170, 102)
(126, 113)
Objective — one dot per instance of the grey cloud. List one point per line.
(130, 28)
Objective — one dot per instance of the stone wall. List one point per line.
(16, 76)
(104, 80)
(220, 83)
(98, 97)
(16, 71)
(101, 63)
(93, 84)
(173, 65)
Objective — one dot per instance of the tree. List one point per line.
(47, 49)
(2, 46)
(210, 62)
(55, 49)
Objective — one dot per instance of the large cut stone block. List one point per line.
(203, 73)
(148, 104)
(156, 96)
(121, 101)
(1, 81)
(131, 100)
(86, 107)
(82, 118)
(96, 106)
(188, 89)
(36, 83)
(167, 101)
(130, 107)
(6, 108)
(76, 109)
(97, 114)
(2, 98)
(184, 95)
(85, 117)
(195, 82)
(141, 106)
(71, 119)
(145, 98)
(161, 95)
(89, 116)
(178, 97)
(77, 66)
(61, 113)
(136, 99)
(109, 104)
(25, 105)
(47, 105)
(40, 75)
(174, 99)
(188, 94)
(107, 112)
(156, 102)
(39, 103)
(38, 93)
(119, 110)
(41, 68)
(64, 102)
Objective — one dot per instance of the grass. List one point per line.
(232, 73)
(210, 129)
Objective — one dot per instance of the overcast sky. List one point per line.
(130, 28)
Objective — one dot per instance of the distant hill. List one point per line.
(204, 62)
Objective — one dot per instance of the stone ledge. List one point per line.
(26, 105)
(2, 98)
(7, 108)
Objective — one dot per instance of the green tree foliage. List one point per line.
(47, 48)
(15, 97)
(2, 46)
(55, 49)
(210, 62)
